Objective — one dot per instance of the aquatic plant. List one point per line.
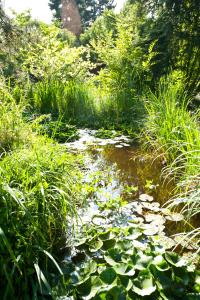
(120, 263)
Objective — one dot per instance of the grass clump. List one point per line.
(38, 197)
(170, 127)
(173, 130)
(69, 100)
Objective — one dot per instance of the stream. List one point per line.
(126, 186)
(122, 241)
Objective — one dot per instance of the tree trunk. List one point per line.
(70, 16)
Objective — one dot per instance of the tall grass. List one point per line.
(71, 100)
(38, 198)
(172, 129)
(84, 104)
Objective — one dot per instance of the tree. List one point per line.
(175, 25)
(89, 9)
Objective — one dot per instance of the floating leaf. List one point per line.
(160, 263)
(95, 245)
(104, 235)
(124, 244)
(126, 282)
(117, 293)
(96, 286)
(174, 259)
(141, 261)
(79, 242)
(144, 285)
(89, 267)
(145, 197)
(107, 244)
(124, 269)
(155, 218)
(84, 287)
(108, 275)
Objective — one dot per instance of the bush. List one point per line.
(13, 130)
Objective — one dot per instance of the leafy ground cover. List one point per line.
(120, 263)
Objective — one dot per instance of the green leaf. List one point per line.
(124, 245)
(80, 242)
(120, 268)
(108, 275)
(84, 287)
(117, 293)
(160, 263)
(95, 245)
(104, 236)
(144, 285)
(107, 244)
(89, 267)
(124, 269)
(126, 282)
(96, 284)
(113, 256)
(174, 259)
(141, 261)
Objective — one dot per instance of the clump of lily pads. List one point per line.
(58, 129)
(107, 133)
(121, 263)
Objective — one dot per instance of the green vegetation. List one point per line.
(123, 266)
(136, 72)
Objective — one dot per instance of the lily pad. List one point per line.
(108, 275)
(152, 229)
(146, 198)
(154, 206)
(144, 285)
(155, 218)
(113, 256)
(95, 245)
(174, 259)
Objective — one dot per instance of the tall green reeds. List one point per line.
(38, 197)
(173, 130)
(70, 100)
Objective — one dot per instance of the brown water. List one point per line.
(138, 168)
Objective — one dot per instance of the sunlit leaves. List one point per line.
(121, 271)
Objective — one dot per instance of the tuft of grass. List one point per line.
(172, 129)
(39, 194)
(69, 100)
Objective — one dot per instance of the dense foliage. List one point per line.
(137, 72)
(123, 266)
